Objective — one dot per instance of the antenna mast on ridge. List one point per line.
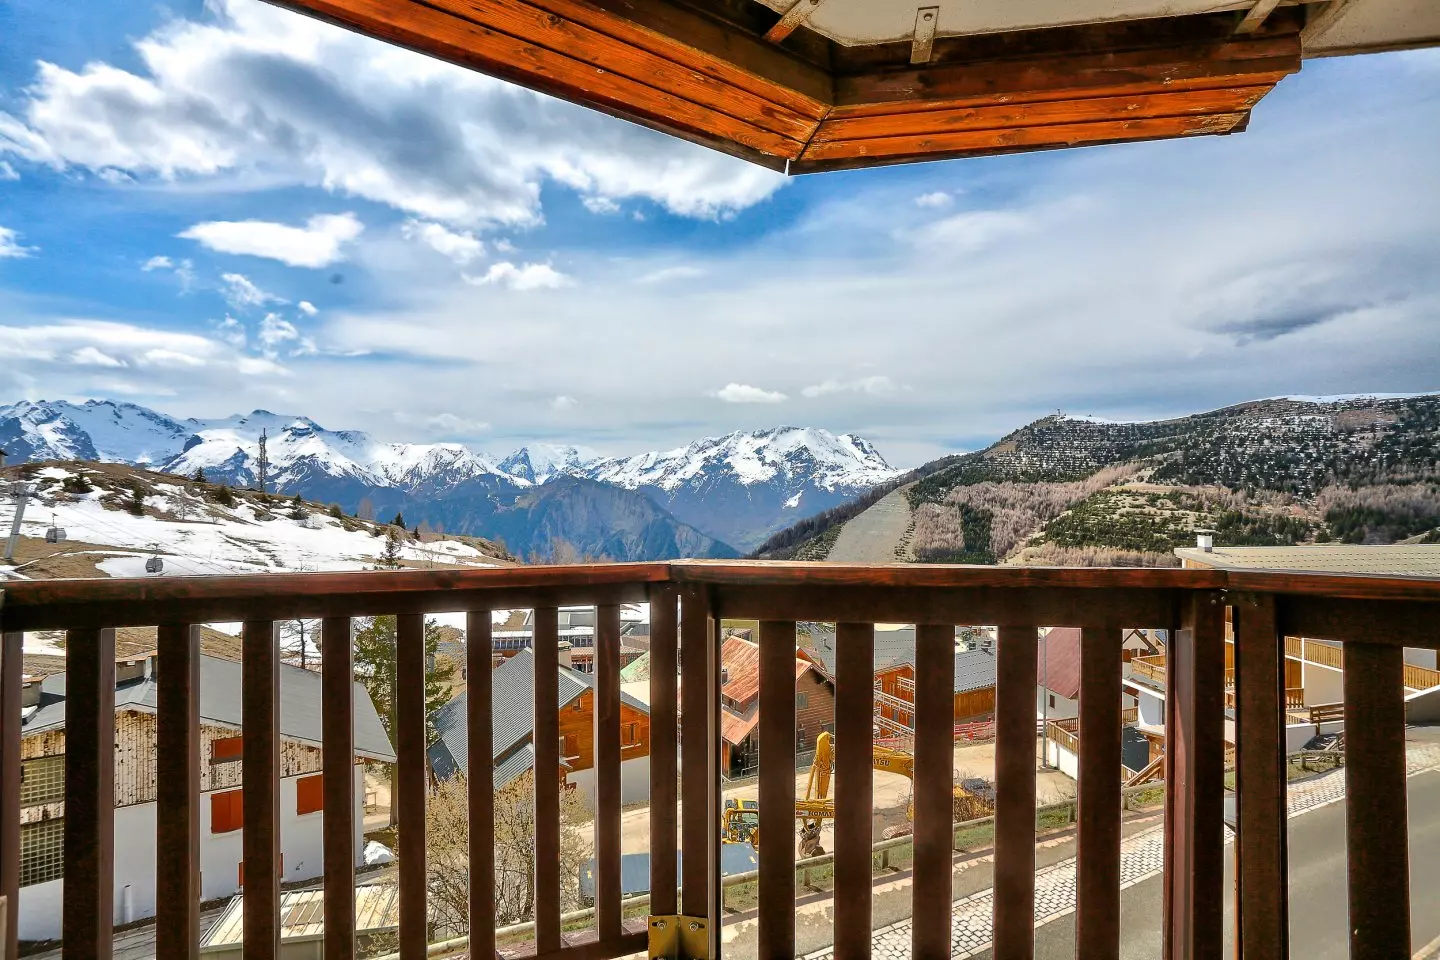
(263, 466)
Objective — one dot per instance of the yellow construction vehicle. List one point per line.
(740, 822)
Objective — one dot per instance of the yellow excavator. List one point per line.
(972, 797)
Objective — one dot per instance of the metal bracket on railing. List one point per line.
(678, 937)
(1241, 598)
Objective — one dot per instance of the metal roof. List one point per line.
(220, 704)
(512, 718)
(1405, 559)
(302, 915)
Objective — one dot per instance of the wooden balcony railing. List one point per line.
(1372, 616)
(1151, 667)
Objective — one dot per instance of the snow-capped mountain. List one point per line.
(743, 486)
(714, 497)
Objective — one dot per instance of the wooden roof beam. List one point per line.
(1254, 19)
(791, 21)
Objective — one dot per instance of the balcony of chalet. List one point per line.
(1371, 618)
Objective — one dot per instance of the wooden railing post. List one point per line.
(854, 786)
(547, 780)
(1262, 905)
(664, 727)
(1015, 685)
(337, 724)
(11, 676)
(177, 793)
(1376, 839)
(260, 784)
(700, 756)
(607, 773)
(777, 790)
(1194, 780)
(1097, 915)
(934, 842)
(89, 910)
(480, 785)
(411, 790)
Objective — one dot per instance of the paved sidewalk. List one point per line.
(1141, 857)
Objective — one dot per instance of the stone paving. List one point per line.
(1141, 857)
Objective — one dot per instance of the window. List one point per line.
(1052, 699)
(227, 749)
(309, 795)
(42, 780)
(802, 700)
(632, 735)
(227, 812)
(42, 851)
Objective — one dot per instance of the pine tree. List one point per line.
(137, 501)
(375, 669)
(399, 521)
(336, 512)
(200, 475)
(224, 497)
(389, 558)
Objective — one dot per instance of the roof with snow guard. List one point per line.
(809, 85)
(220, 704)
(512, 719)
(1403, 559)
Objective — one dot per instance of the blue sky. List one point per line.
(213, 208)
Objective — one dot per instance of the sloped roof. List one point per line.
(1405, 559)
(741, 659)
(1058, 666)
(512, 717)
(974, 669)
(220, 704)
(302, 914)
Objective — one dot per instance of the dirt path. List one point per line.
(873, 536)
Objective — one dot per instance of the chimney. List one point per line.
(30, 692)
(1205, 540)
(127, 671)
(564, 653)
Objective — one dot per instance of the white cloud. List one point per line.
(938, 198)
(664, 274)
(238, 291)
(601, 205)
(7, 172)
(10, 245)
(317, 244)
(89, 356)
(232, 331)
(563, 403)
(875, 386)
(307, 308)
(743, 393)
(973, 230)
(461, 246)
(531, 276)
(276, 332)
(505, 246)
(157, 263)
(256, 91)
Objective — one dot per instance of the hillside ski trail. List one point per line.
(873, 536)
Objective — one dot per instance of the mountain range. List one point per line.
(1077, 490)
(716, 497)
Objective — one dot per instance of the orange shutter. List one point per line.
(226, 749)
(309, 795)
(227, 811)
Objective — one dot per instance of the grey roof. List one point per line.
(1405, 559)
(974, 670)
(512, 718)
(220, 704)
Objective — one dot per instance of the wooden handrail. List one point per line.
(1372, 616)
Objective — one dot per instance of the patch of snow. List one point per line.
(377, 854)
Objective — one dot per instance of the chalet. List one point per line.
(513, 729)
(740, 703)
(577, 627)
(42, 803)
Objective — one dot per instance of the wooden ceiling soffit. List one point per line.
(803, 107)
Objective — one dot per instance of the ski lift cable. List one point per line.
(193, 564)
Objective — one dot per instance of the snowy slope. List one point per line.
(539, 462)
(196, 536)
(94, 430)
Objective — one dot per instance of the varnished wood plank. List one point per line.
(547, 780)
(1262, 918)
(1194, 892)
(707, 45)
(664, 724)
(89, 894)
(260, 797)
(954, 143)
(562, 35)
(1398, 623)
(854, 786)
(479, 726)
(933, 789)
(777, 790)
(1100, 69)
(11, 673)
(1097, 914)
(1008, 115)
(1254, 19)
(337, 681)
(1014, 923)
(1377, 851)
(607, 771)
(177, 792)
(447, 37)
(791, 20)
(699, 749)
(410, 743)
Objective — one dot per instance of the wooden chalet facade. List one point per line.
(740, 704)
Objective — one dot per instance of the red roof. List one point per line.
(1058, 666)
(741, 659)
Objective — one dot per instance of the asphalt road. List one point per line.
(1318, 899)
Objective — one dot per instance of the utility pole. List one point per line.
(263, 466)
(22, 492)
